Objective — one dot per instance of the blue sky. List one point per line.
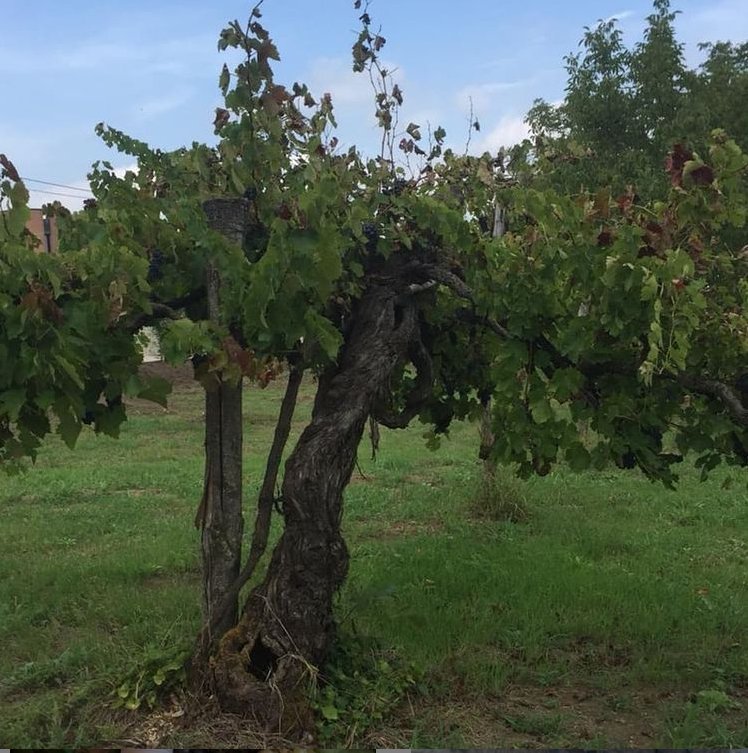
(151, 68)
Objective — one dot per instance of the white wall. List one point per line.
(151, 352)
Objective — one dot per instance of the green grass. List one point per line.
(611, 613)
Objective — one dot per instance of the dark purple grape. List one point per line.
(155, 271)
(371, 233)
(114, 402)
(627, 460)
(742, 384)
(395, 188)
(199, 359)
(250, 193)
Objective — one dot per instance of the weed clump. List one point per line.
(156, 674)
(358, 688)
(500, 496)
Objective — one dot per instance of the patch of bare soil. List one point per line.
(192, 721)
(522, 717)
(591, 714)
(423, 479)
(161, 578)
(398, 528)
(530, 718)
(152, 491)
(413, 527)
(181, 377)
(359, 477)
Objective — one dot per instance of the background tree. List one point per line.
(659, 74)
(625, 107)
(717, 90)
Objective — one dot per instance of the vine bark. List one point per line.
(261, 666)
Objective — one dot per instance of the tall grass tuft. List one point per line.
(500, 496)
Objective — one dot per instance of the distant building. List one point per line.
(152, 351)
(45, 229)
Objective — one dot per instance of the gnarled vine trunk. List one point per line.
(261, 666)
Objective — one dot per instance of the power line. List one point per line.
(58, 185)
(58, 193)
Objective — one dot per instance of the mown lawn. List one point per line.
(613, 614)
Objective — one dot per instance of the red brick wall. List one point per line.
(36, 226)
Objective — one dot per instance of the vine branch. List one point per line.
(265, 499)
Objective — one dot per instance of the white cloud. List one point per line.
(73, 200)
(15, 142)
(484, 96)
(510, 130)
(495, 63)
(153, 108)
(620, 16)
(120, 171)
(720, 21)
(172, 56)
(91, 56)
(83, 57)
(65, 193)
(335, 75)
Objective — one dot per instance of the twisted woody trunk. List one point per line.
(286, 627)
(258, 660)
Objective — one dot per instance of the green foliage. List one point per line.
(359, 687)
(625, 107)
(608, 324)
(704, 719)
(660, 82)
(596, 308)
(715, 701)
(606, 303)
(36, 675)
(157, 675)
(64, 355)
(535, 723)
(138, 253)
(716, 91)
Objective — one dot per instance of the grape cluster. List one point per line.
(627, 460)
(250, 193)
(397, 187)
(371, 233)
(114, 402)
(155, 271)
(199, 359)
(742, 384)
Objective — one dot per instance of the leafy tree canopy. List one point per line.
(594, 309)
(625, 107)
